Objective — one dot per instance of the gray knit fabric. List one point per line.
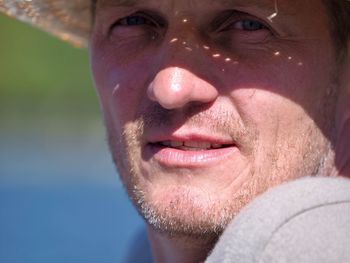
(307, 220)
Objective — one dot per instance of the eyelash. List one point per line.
(149, 21)
(124, 21)
(235, 17)
(221, 25)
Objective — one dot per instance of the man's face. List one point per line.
(209, 103)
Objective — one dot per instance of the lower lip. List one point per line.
(171, 157)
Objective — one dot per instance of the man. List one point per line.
(208, 104)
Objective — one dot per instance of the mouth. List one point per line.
(192, 145)
(189, 153)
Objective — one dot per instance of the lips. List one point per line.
(191, 151)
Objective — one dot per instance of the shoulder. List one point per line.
(307, 220)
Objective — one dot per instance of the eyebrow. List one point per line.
(258, 3)
(268, 6)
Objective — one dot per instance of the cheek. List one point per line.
(273, 95)
(122, 88)
(302, 81)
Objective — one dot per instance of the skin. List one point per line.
(263, 92)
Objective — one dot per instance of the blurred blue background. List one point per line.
(60, 197)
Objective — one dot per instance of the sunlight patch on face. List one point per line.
(289, 58)
(206, 47)
(115, 89)
(274, 14)
(189, 47)
(174, 40)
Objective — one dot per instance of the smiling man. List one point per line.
(208, 104)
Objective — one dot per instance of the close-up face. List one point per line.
(210, 103)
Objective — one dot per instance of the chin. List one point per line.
(183, 211)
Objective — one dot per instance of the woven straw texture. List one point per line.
(68, 20)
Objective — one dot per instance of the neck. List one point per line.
(169, 249)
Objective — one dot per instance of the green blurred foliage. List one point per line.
(41, 76)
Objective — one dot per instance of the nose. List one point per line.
(175, 87)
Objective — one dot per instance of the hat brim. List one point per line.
(68, 20)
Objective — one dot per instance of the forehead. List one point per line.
(291, 8)
(265, 4)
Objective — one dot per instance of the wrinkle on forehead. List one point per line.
(270, 8)
(264, 4)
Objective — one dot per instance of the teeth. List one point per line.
(166, 143)
(216, 146)
(200, 145)
(191, 145)
(176, 144)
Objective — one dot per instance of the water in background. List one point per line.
(60, 196)
(61, 200)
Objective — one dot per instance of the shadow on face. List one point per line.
(184, 58)
(182, 84)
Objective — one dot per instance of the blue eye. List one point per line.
(136, 20)
(133, 21)
(249, 25)
(239, 21)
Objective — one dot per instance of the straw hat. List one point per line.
(66, 19)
